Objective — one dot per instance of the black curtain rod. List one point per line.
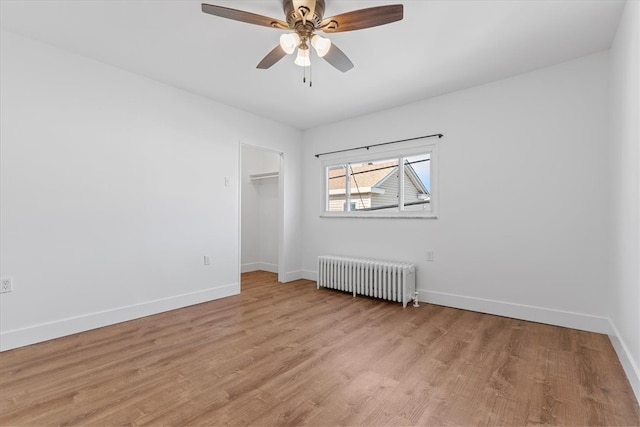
(439, 135)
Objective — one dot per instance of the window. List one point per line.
(400, 183)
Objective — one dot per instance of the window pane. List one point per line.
(374, 185)
(397, 186)
(417, 183)
(337, 178)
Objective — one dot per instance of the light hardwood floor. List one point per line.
(288, 354)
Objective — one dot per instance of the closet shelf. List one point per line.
(259, 176)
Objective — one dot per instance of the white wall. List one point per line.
(625, 148)
(524, 227)
(260, 210)
(113, 190)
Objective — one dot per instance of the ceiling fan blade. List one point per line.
(363, 18)
(272, 57)
(242, 16)
(338, 59)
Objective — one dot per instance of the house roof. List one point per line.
(413, 176)
(367, 175)
(372, 175)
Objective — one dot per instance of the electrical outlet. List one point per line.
(6, 285)
(207, 260)
(429, 256)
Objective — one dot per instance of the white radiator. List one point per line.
(394, 281)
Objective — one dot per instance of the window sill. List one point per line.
(407, 215)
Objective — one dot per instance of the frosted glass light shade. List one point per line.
(289, 42)
(321, 44)
(303, 58)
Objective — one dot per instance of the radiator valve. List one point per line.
(415, 299)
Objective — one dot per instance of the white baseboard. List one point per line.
(310, 275)
(259, 266)
(59, 328)
(568, 319)
(626, 360)
(290, 276)
(249, 267)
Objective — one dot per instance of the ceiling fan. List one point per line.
(303, 19)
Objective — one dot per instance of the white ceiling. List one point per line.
(439, 47)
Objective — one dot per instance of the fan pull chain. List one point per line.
(310, 78)
(304, 74)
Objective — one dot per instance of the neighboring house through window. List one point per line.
(401, 184)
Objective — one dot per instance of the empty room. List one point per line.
(320, 212)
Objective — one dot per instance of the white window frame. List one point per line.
(424, 147)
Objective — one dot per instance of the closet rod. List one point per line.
(439, 135)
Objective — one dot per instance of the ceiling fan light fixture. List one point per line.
(322, 45)
(289, 42)
(303, 19)
(303, 59)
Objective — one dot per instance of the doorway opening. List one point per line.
(261, 207)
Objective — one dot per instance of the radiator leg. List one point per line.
(415, 299)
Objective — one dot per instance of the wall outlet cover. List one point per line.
(6, 284)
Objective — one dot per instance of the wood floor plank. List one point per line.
(289, 354)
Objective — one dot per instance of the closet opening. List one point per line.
(261, 207)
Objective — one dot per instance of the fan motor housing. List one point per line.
(298, 11)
